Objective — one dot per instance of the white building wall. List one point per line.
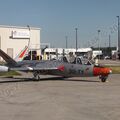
(17, 44)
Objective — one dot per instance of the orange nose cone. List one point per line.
(101, 71)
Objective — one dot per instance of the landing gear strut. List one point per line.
(103, 78)
(36, 75)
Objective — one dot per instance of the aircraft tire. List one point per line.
(103, 78)
(36, 76)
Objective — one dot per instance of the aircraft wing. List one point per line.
(61, 68)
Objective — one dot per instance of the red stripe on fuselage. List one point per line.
(61, 68)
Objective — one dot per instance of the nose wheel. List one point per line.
(103, 78)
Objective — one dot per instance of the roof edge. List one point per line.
(20, 27)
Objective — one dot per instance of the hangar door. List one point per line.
(10, 52)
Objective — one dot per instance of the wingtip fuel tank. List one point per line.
(4, 69)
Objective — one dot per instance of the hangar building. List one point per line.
(14, 38)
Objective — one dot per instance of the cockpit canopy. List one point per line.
(75, 60)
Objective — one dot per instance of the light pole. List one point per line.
(29, 35)
(66, 41)
(29, 42)
(109, 46)
(98, 43)
(109, 41)
(76, 39)
(118, 46)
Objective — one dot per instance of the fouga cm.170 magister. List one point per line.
(62, 67)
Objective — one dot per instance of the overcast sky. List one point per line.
(59, 18)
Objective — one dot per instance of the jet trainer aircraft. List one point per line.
(62, 67)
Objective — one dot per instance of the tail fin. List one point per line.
(21, 55)
(7, 58)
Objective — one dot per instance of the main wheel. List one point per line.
(36, 76)
(103, 78)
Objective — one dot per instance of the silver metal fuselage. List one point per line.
(70, 70)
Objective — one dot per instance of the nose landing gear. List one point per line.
(103, 78)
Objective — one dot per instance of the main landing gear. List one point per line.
(103, 78)
(36, 75)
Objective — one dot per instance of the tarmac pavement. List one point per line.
(58, 99)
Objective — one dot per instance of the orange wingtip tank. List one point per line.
(101, 71)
